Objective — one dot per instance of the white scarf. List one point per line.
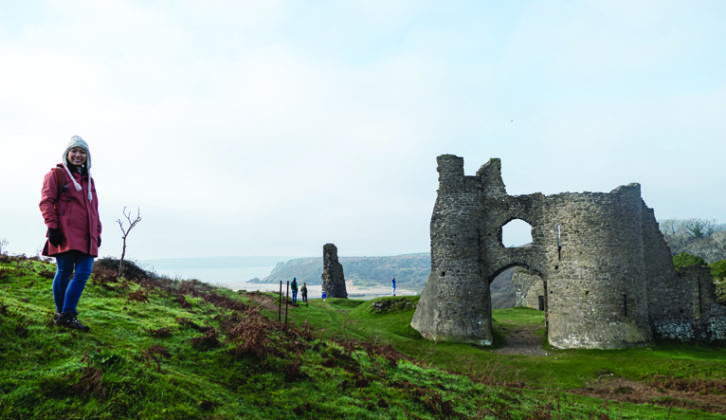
(77, 185)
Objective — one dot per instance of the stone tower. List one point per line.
(333, 278)
(607, 273)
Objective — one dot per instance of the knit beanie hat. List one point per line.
(77, 141)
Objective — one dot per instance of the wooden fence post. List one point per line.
(279, 310)
(287, 292)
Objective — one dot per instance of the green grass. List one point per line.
(342, 358)
(559, 371)
(519, 316)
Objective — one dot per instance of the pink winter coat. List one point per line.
(72, 212)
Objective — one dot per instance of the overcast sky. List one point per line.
(272, 127)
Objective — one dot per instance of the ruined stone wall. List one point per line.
(333, 278)
(597, 296)
(456, 264)
(686, 308)
(599, 256)
(682, 304)
(528, 289)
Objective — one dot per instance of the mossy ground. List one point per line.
(165, 349)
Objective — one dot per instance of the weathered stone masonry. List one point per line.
(528, 289)
(606, 271)
(333, 278)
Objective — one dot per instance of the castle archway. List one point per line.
(530, 287)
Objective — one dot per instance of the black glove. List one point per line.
(99, 241)
(55, 236)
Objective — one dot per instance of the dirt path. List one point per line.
(658, 391)
(265, 301)
(664, 391)
(522, 340)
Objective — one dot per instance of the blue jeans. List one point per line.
(67, 293)
(294, 296)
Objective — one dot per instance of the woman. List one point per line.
(304, 291)
(70, 210)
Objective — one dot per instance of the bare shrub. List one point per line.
(91, 381)
(125, 230)
(699, 386)
(103, 275)
(155, 354)
(183, 300)
(131, 270)
(293, 372)
(223, 301)
(209, 340)
(252, 338)
(159, 333)
(138, 296)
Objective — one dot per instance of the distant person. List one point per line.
(293, 288)
(325, 295)
(393, 284)
(304, 291)
(69, 205)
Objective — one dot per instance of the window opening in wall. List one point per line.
(541, 303)
(559, 243)
(516, 233)
(625, 304)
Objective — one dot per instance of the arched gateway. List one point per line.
(599, 255)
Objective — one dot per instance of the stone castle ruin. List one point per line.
(528, 289)
(604, 275)
(333, 278)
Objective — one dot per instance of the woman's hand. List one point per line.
(55, 236)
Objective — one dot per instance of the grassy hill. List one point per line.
(173, 349)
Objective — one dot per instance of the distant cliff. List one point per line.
(411, 272)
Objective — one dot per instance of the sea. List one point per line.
(230, 272)
(235, 272)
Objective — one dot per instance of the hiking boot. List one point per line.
(55, 317)
(69, 320)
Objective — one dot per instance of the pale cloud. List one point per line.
(252, 128)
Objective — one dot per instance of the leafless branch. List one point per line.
(126, 230)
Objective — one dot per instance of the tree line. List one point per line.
(698, 242)
(701, 237)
